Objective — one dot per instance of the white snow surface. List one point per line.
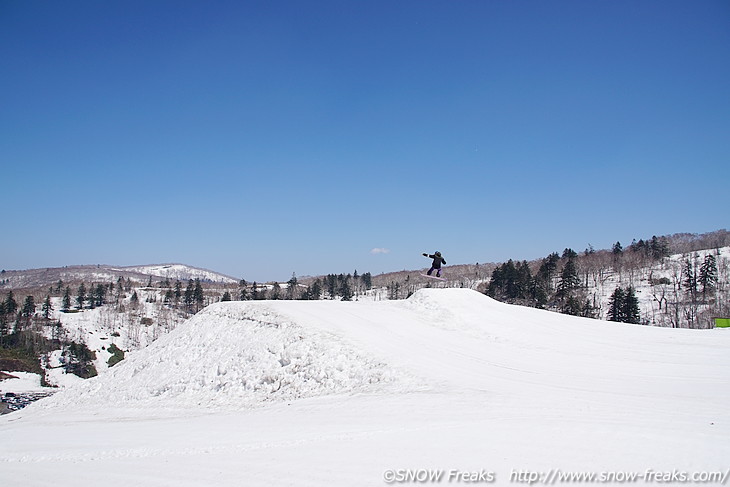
(338, 393)
(22, 382)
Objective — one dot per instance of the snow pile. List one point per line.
(231, 356)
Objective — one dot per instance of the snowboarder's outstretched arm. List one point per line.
(438, 258)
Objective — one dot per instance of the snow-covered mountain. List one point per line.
(446, 383)
(181, 272)
(107, 273)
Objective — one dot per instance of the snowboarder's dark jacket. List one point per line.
(437, 260)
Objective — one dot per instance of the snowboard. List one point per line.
(434, 277)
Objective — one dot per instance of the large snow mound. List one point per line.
(244, 354)
(232, 355)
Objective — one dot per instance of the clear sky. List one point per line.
(262, 138)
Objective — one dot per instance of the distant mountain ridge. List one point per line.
(18, 279)
(182, 272)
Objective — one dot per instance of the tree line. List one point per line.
(567, 283)
(331, 286)
(22, 338)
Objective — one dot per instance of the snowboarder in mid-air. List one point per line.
(436, 264)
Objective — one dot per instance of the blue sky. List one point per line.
(260, 138)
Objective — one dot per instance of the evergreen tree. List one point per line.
(569, 254)
(81, 296)
(332, 285)
(66, 303)
(47, 307)
(623, 306)
(28, 307)
(90, 296)
(178, 291)
(226, 296)
(198, 295)
(189, 296)
(569, 279)
(659, 247)
(243, 294)
(539, 292)
(11, 306)
(134, 300)
(588, 310)
(99, 294)
(367, 281)
(547, 271)
(345, 290)
(307, 294)
(292, 286)
(617, 251)
(708, 275)
(640, 247)
(511, 282)
(617, 305)
(572, 306)
(79, 360)
(631, 313)
(316, 292)
(523, 281)
(690, 279)
(496, 283)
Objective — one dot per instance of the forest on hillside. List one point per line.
(680, 281)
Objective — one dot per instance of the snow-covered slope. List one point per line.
(181, 272)
(350, 393)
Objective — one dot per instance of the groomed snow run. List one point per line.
(326, 393)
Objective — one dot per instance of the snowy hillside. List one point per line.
(661, 290)
(99, 328)
(448, 382)
(106, 273)
(181, 272)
